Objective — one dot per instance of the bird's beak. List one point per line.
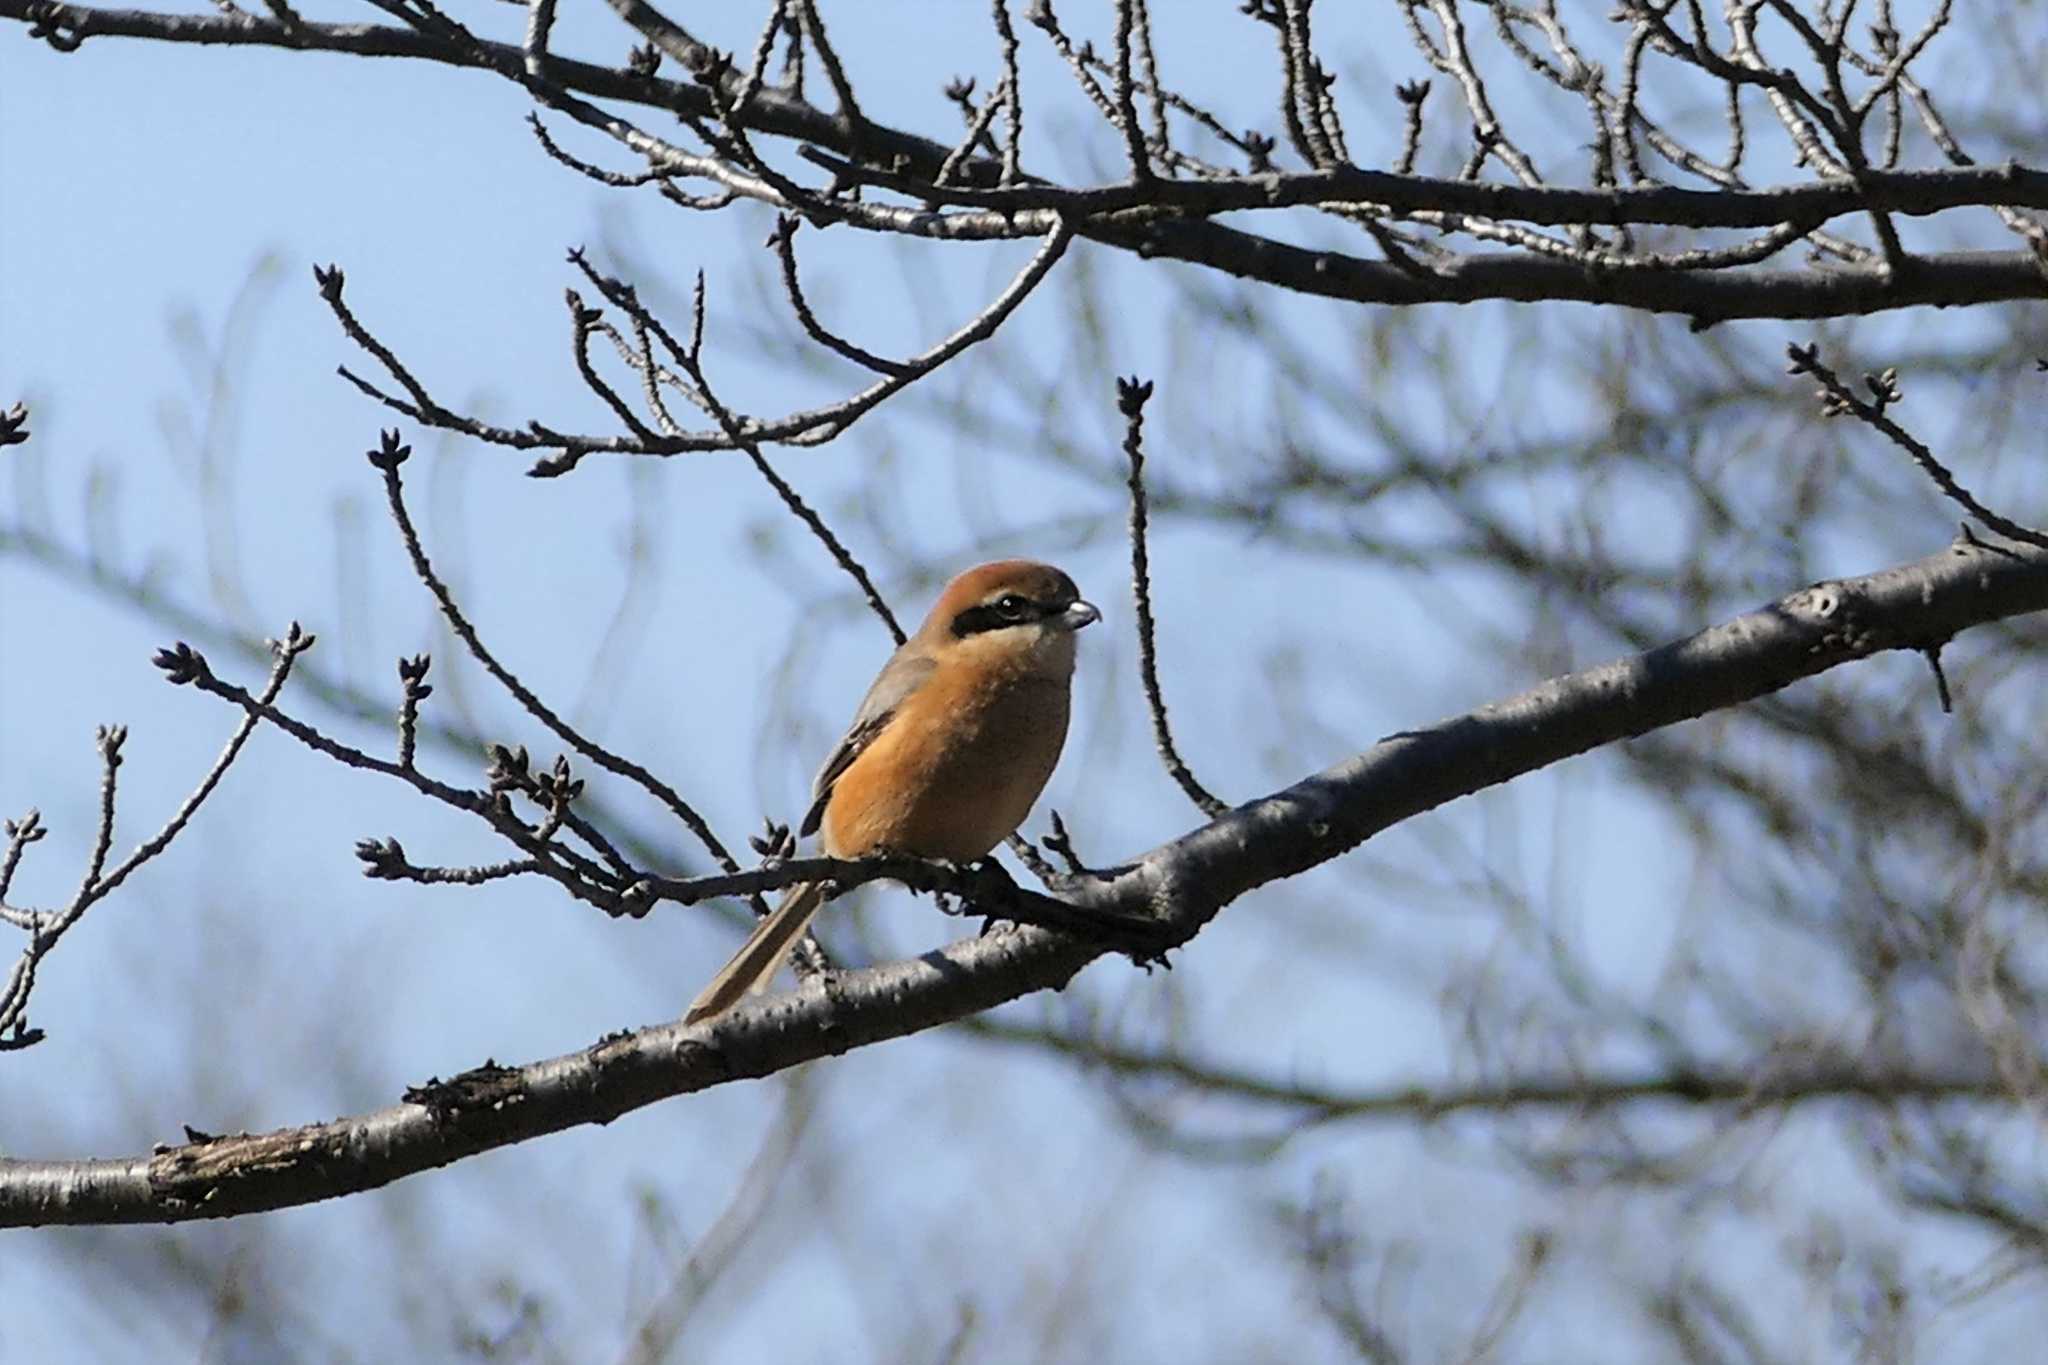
(1078, 615)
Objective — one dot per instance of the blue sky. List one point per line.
(253, 978)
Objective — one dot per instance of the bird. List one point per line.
(946, 753)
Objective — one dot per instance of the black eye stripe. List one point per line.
(1010, 609)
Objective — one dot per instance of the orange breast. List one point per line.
(956, 770)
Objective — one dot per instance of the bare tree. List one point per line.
(1868, 876)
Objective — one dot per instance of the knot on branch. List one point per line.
(554, 466)
(484, 1089)
(635, 901)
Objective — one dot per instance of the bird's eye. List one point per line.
(1012, 607)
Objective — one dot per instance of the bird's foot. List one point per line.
(994, 894)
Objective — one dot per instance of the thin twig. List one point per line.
(47, 927)
(1838, 398)
(849, 107)
(583, 879)
(692, 360)
(389, 458)
(978, 123)
(1131, 396)
(413, 689)
(540, 25)
(1126, 108)
(783, 241)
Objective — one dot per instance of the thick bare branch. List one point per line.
(1182, 884)
(1132, 216)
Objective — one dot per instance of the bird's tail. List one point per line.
(762, 955)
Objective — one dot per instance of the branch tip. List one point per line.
(390, 452)
(182, 664)
(110, 738)
(1132, 394)
(383, 859)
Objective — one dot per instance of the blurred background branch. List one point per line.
(1770, 971)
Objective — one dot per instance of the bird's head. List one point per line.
(1012, 604)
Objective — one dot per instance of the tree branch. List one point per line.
(1182, 884)
(1769, 1083)
(1105, 213)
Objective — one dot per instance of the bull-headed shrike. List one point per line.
(947, 753)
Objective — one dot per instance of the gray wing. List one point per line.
(898, 679)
